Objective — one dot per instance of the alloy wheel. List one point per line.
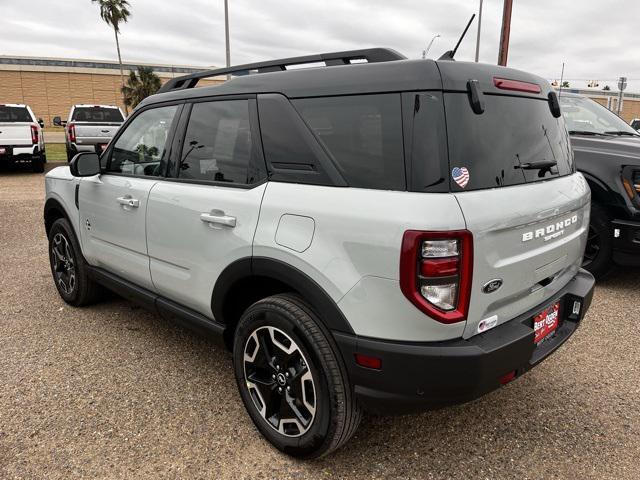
(594, 245)
(279, 381)
(64, 265)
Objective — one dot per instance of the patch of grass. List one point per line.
(56, 152)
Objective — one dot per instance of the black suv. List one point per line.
(607, 152)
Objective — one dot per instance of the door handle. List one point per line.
(127, 201)
(217, 217)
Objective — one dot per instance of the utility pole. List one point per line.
(479, 27)
(506, 31)
(226, 34)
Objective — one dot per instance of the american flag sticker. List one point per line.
(460, 175)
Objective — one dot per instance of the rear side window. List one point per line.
(490, 150)
(97, 114)
(363, 134)
(218, 145)
(14, 114)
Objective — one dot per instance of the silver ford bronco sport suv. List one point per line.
(375, 234)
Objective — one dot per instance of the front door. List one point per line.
(205, 219)
(113, 205)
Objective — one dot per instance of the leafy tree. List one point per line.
(115, 12)
(139, 86)
(607, 88)
(565, 84)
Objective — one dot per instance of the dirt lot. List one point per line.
(114, 392)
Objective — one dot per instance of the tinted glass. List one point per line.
(583, 115)
(14, 114)
(495, 145)
(363, 134)
(218, 144)
(142, 148)
(97, 114)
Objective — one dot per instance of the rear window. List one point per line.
(490, 149)
(97, 114)
(363, 134)
(14, 114)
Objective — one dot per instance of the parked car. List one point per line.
(90, 127)
(357, 245)
(607, 152)
(21, 138)
(635, 124)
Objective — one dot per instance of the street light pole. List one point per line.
(226, 34)
(479, 28)
(426, 52)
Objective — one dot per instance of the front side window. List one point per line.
(218, 146)
(363, 133)
(142, 148)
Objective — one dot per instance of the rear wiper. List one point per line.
(541, 165)
(622, 132)
(585, 132)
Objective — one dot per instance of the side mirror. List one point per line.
(41, 123)
(57, 121)
(85, 164)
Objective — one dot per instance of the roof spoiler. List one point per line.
(370, 55)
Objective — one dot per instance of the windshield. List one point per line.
(14, 114)
(584, 115)
(97, 114)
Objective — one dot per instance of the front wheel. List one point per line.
(68, 266)
(599, 249)
(291, 379)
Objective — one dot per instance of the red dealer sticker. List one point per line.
(546, 322)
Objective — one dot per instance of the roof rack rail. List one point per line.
(371, 55)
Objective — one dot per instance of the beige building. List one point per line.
(51, 85)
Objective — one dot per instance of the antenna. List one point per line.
(451, 53)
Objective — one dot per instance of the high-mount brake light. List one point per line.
(436, 270)
(516, 85)
(72, 133)
(34, 134)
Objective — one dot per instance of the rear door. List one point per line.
(113, 205)
(529, 224)
(206, 218)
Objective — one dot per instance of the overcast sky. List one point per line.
(596, 39)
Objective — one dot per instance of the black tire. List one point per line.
(335, 416)
(69, 268)
(37, 164)
(599, 249)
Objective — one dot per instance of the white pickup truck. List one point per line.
(21, 137)
(90, 128)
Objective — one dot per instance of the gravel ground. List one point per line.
(112, 391)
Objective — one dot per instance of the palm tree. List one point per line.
(114, 12)
(140, 86)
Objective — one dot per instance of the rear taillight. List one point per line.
(435, 272)
(516, 85)
(34, 134)
(72, 133)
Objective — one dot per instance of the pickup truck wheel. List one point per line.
(37, 164)
(597, 254)
(291, 378)
(68, 266)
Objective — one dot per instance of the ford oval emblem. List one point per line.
(492, 285)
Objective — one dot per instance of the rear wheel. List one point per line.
(599, 249)
(69, 268)
(291, 378)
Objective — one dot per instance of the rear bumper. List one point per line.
(18, 152)
(88, 147)
(626, 242)
(423, 376)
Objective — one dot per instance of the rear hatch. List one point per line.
(529, 220)
(15, 125)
